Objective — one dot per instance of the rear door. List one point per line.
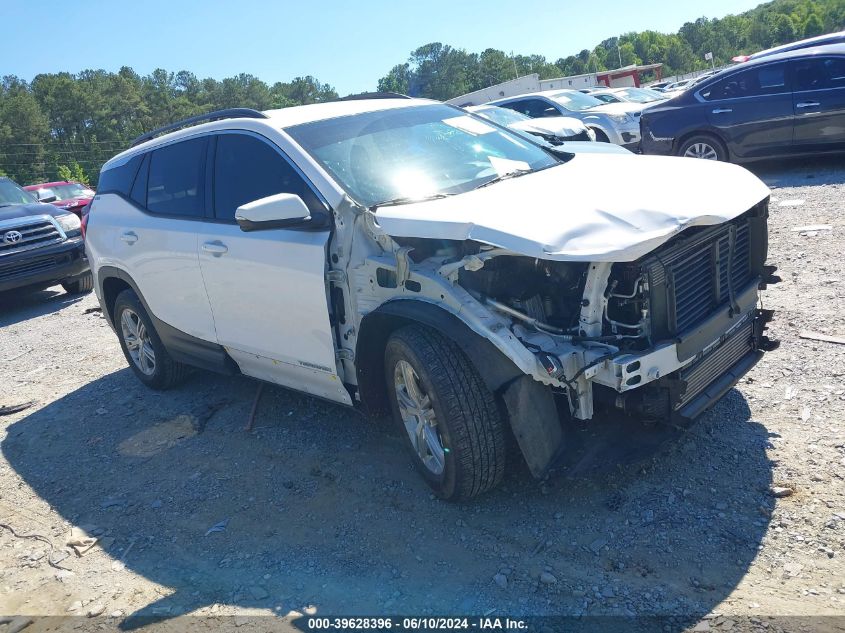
(752, 110)
(154, 234)
(819, 102)
(267, 288)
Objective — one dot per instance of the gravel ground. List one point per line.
(317, 510)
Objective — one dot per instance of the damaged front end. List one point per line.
(663, 336)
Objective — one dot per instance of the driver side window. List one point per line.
(247, 169)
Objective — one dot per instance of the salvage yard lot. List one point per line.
(318, 510)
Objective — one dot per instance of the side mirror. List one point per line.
(280, 211)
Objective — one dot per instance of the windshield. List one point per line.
(606, 97)
(10, 194)
(416, 152)
(575, 101)
(71, 190)
(502, 116)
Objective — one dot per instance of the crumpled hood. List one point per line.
(595, 207)
(558, 126)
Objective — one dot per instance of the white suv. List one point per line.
(404, 255)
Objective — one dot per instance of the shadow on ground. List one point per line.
(318, 506)
(17, 306)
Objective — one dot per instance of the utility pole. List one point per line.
(513, 59)
(619, 50)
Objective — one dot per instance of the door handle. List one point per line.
(130, 237)
(808, 104)
(722, 110)
(215, 248)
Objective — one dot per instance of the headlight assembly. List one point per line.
(68, 221)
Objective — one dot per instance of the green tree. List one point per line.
(73, 172)
(813, 26)
(397, 80)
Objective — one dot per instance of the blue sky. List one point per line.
(347, 44)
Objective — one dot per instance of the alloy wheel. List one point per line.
(138, 343)
(418, 417)
(702, 150)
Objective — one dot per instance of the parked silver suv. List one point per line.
(403, 255)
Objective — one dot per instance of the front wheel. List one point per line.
(704, 147)
(445, 413)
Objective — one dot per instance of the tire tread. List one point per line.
(476, 426)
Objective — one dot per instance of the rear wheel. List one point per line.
(142, 346)
(85, 283)
(445, 413)
(705, 147)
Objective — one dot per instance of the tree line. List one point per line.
(439, 71)
(64, 125)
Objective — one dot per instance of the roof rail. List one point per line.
(374, 95)
(217, 115)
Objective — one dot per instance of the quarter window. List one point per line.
(175, 181)
(119, 179)
(820, 74)
(765, 80)
(247, 169)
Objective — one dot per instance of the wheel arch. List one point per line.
(530, 408)
(601, 135)
(495, 368)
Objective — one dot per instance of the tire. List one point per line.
(132, 324)
(463, 414)
(85, 283)
(705, 147)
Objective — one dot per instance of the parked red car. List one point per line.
(66, 194)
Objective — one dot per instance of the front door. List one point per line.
(752, 110)
(819, 102)
(267, 288)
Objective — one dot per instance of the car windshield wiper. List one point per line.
(511, 174)
(518, 172)
(5, 204)
(408, 200)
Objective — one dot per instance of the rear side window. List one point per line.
(119, 179)
(175, 182)
(820, 73)
(247, 169)
(764, 80)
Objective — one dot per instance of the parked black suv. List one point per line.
(788, 104)
(40, 245)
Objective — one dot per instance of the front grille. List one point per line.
(31, 266)
(36, 231)
(692, 276)
(704, 371)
